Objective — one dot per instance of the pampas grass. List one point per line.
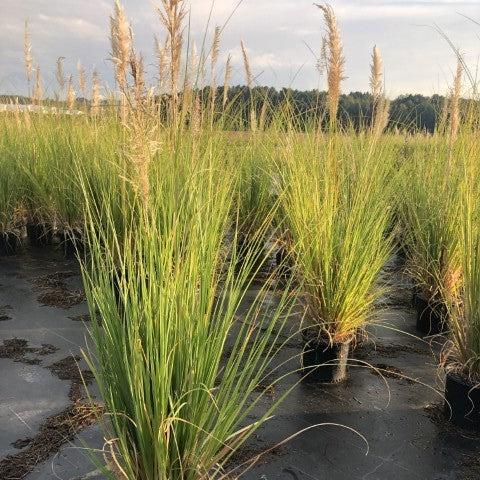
(27, 51)
(226, 80)
(162, 64)
(172, 15)
(249, 81)
(335, 61)
(376, 86)
(381, 105)
(455, 102)
(59, 74)
(82, 79)
(246, 66)
(121, 43)
(161, 192)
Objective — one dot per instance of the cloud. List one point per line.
(276, 33)
(77, 27)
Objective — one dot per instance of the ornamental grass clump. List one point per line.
(336, 203)
(10, 198)
(464, 346)
(177, 370)
(176, 367)
(255, 201)
(461, 353)
(430, 209)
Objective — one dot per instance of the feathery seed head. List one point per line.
(335, 61)
(59, 74)
(246, 65)
(376, 74)
(82, 78)
(70, 93)
(27, 49)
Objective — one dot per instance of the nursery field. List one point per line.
(402, 420)
(198, 287)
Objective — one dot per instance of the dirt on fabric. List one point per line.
(16, 349)
(471, 463)
(388, 351)
(55, 292)
(54, 432)
(81, 318)
(389, 371)
(68, 369)
(57, 429)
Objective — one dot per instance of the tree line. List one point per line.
(407, 112)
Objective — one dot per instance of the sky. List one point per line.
(282, 39)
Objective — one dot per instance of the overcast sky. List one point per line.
(416, 58)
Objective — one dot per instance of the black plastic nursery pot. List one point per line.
(432, 317)
(39, 234)
(402, 251)
(325, 362)
(71, 242)
(462, 402)
(9, 243)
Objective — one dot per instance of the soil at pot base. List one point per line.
(39, 235)
(431, 317)
(462, 402)
(9, 243)
(325, 362)
(71, 242)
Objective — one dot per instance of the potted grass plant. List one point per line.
(254, 202)
(336, 203)
(10, 233)
(429, 212)
(177, 370)
(178, 384)
(336, 206)
(462, 351)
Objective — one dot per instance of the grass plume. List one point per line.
(27, 52)
(335, 61)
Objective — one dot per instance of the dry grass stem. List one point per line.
(38, 88)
